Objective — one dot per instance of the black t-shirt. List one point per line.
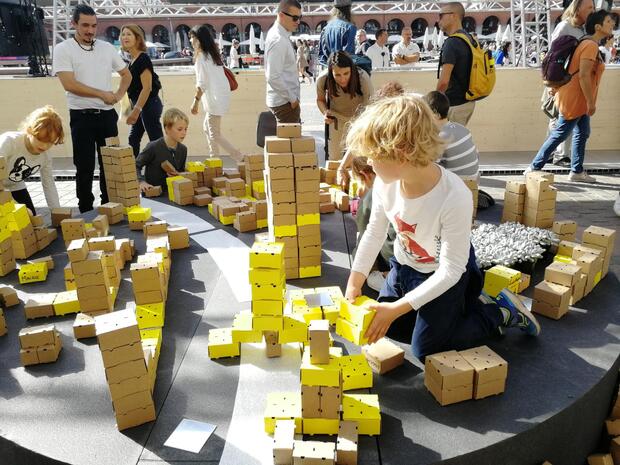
(456, 52)
(137, 68)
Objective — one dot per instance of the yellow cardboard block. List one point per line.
(266, 275)
(283, 406)
(32, 273)
(286, 230)
(267, 255)
(310, 272)
(294, 329)
(307, 313)
(365, 410)
(351, 332)
(19, 217)
(500, 277)
(242, 329)
(275, 291)
(320, 375)
(150, 315)
(562, 258)
(267, 323)
(169, 183)
(194, 166)
(320, 425)
(210, 208)
(356, 372)
(330, 313)
(309, 218)
(138, 214)
(260, 224)
(213, 163)
(227, 220)
(258, 186)
(221, 344)
(357, 313)
(267, 307)
(66, 302)
(152, 336)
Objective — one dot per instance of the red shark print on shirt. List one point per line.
(406, 233)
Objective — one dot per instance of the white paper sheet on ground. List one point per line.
(190, 435)
(229, 253)
(232, 257)
(176, 216)
(247, 442)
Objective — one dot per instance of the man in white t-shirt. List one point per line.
(378, 53)
(84, 66)
(406, 52)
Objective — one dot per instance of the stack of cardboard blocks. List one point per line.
(603, 239)
(32, 272)
(59, 214)
(340, 199)
(137, 216)
(202, 196)
(540, 198)
(514, 201)
(565, 230)
(325, 199)
(180, 190)
(7, 256)
(126, 362)
(39, 344)
(501, 277)
(354, 319)
(471, 374)
(329, 174)
(113, 211)
(254, 166)
(292, 181)
(119, 166)
(213, 169)
(234, 187)
(26, 238)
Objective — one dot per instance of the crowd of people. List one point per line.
(409, 153)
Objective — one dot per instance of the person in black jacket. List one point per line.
(168, 148)
(143, 92)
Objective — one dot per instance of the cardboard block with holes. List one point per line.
(39, 344)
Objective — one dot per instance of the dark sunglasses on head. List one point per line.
(442, 14)
(295, 18)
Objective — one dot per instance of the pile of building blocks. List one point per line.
(32, 272)
(329, 309)
(254, 166)
(137, 216)
(59, 214)
(180, 190)
(21, 234)
(119, 166)
(245, 214)
(501, 277)
(126, 361)
(383, 356)
(292, 181)
(39, 344)
(329, 174)
(48, 260)
(340, 199)
(202, 196)
(540, 199)
(514, 201)
(476, 373)
(565, 230)
(114, 212)
(576, 270)
(354, 319)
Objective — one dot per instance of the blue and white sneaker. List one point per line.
(518, 314)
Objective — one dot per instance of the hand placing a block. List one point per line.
(386, 313)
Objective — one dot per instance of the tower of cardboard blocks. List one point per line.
(292, 181)
(119, 166)
(532, 202)
(39, 344)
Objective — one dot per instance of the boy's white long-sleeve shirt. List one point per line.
(433, 233)
(21, 164)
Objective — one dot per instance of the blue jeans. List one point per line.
(455, 320)
(581, 131)
(149, 120)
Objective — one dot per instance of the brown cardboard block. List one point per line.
(383, 356)
(49, 353)
(91, 264)
(36, 336)
(450, 395)
(122, 354)
(281, 172)
(564, 227)
(314, 453)
(548, 310)
(202, 200)
(40, 306)
(104, 243)
(202, 190)
(29, 356)
(150, 297)
(288, 130)
(449, 377)
(36, 220)
(553, 294)
(274, 144)
(538, 205)
(9, 295)
(273, 348)
(135, 417)
(140, 399)
(77, 250)
(537, 180)
(129, 386)
(92, 279)
(566, 248)
(178, 237)
(307, 173)
(102, 224)
(346, 444)
(276, 160)
(516, 187)
(331, 398)
(84, 326)
(303, 144)
(310, 251)
(283, 208)
(310, 401)
(153, 191)
(307, 208)
(600, 459)
(283, 442)
(59, 214)
(318, 331)
(126, 370)
(562, 273)
(309, 230)
(578, 289)
(613, 427)
(281, 185)
(599, 236)
(47, 259)
(153, 228)
(117, 329)
(514, 202)
(327, 207)
(307, 158)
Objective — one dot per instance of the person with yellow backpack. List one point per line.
(466, 72)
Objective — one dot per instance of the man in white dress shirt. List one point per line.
(281, 64)
(378, 53)
(406, 52)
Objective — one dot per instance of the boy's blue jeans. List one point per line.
(455, 320)
(581, 132)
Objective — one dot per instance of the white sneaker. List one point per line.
(375, 280)
(617, 205)
(581, 177)
(529, 169)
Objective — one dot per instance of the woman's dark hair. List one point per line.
(597, 17)
(207, 44)
(342, 59)
(505, 47)
(82, 9)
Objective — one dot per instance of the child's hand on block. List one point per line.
(386, 313)
(144, 186)
(169, 168)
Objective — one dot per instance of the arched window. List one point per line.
(489, 25)
(303, 28)
(418, 27)
(320, 26)
(395, 27)
(182, 36)
(230, 32)
(112, 34)
(161, 34)
(469, 24)
(371, 26)
(257, 29)
(211, 30)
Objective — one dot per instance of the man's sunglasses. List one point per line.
(442, 14)
(295, 18)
